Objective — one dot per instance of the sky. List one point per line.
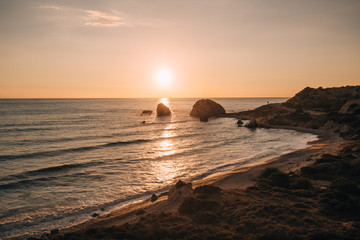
(208, 48)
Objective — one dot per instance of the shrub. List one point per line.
(344, 185)
(302, 183)
(327, 158)
(279, 179)
(273, 177)
(309, 170)
(267, 172)
(207, 190)
(192, 206)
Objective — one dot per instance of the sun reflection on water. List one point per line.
(165, 148)
(169, 132)
(168, 168)
(165, 171)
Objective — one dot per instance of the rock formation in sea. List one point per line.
(252, 124)
(206, 108)
(146, 112)
(163, 110)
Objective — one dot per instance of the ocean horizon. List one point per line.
(64, 159)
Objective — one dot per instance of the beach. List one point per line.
(234, 182)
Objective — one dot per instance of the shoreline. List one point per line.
(239, 177)
(289, 162)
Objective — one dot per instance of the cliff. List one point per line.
(334, 109)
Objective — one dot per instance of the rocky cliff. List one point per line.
(334, 109)
(323, 99)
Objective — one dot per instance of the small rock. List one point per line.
(154, 198)
(146, 112)
(180, 184)
(252, 124)
(239, 122)
(95, 215)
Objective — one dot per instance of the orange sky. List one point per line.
(230, 48)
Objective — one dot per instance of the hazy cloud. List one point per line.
(104, 19)
(50, 7)
(98, 18)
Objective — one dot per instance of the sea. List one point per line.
(64, 160)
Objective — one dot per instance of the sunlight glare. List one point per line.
(164, 77)
(165, 101)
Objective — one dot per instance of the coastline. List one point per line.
(240, 177)
(245, 176)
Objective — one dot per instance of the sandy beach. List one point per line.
(235, 180)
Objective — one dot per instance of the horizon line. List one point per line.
(15, 98)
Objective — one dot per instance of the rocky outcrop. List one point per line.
(162, 110)
(323, 99)
(333, 109)
(206, 108)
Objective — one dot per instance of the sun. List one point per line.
(164, 77)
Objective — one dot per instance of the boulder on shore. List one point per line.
(206, 108)
(180, 191)
(163, 110)
(154, 198)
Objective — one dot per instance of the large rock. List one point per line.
(206, 108)
(163, 110)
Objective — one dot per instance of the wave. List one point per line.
(50, 170)
(46, 181)
(85, 148)
(70, 150)
(80, 138)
